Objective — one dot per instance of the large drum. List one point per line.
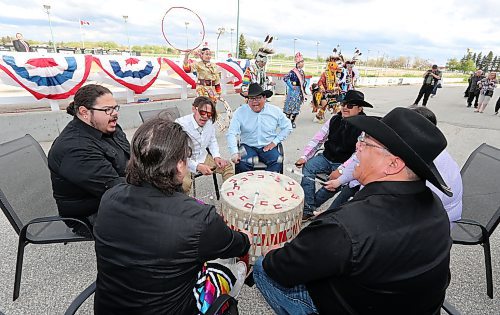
(277, 202)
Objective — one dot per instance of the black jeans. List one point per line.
(497, 106)
(471, 97)
(425, 91)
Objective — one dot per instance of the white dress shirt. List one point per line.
(202, 138)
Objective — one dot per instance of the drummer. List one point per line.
(257, 124)
(151, 239)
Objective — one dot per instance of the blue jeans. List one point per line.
(316, 165)
(345, 193)
(295, 300)
(271, 158)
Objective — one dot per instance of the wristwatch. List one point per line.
(341, 171)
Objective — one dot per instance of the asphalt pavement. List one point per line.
(54, 274)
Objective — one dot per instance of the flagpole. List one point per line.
(81, 35)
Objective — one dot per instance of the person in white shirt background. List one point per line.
(199, 126)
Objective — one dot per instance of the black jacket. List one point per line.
(385, 252)
(342, 138)
(18, 46)
(83, 164)
(150, 247)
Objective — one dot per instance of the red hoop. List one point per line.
(166, 39)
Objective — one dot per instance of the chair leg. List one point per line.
(449, 309)
(216, 186)
(19, 267)
(194, 186)
(487, 264)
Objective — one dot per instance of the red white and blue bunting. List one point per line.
(137, 74)
(55, 77)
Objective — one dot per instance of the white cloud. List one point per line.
(431, 29)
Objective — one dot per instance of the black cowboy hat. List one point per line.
(255, 90)
(412, 137)
(356, 98)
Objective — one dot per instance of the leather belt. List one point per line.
(206, 82)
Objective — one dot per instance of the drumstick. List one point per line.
(317, 180)
(247, 221)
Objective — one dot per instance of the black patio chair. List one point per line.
(214, 309)
(173, 113)
(449, 309)
(481, 204)
(26, 200)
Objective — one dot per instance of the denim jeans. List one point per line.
(316, 165)
(284, 301)
(271, 158)
(345, 193)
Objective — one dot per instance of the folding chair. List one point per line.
(260, 166)
(171, 113)
(481, 204)
(27, 201)
(214, 309)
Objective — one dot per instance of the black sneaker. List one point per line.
(294, 125)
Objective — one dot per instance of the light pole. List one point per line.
(47, 10)
(238, 31)
(317, 51)
(231, 50)
(294, 40)
(187, 38)
(125, 18)
(220, 31)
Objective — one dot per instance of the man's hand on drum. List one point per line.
(269, 147)
(204, 169)
(300, 162)
(236, 158)
(220, 162)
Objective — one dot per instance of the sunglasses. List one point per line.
(362, 141)
(205, 113)
(348, 105)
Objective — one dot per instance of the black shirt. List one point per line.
(342, 138)
(387, 251)
(150, 248)
(84, 163)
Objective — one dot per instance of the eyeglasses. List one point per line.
(205, 113)
(362, 141)
(348, 105)
(257, 98)
(108, 110)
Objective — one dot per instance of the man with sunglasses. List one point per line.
(90, 154)
(205, 157)
(339, 139)
(261, 126)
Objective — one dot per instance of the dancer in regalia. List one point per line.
(296, 83)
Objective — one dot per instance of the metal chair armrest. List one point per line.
(53, 219)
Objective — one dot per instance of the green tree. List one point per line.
(486, 63)
(453, 65)
(478, 60)
(468, 66)
(254, 46)
(242, 48)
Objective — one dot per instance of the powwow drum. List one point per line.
(277, 202)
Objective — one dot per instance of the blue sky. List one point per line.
(429, 29)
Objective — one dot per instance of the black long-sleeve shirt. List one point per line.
(150, 248)
(387, 251)
(84, 163)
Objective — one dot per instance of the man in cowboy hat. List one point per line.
(339, 139)
(257, 124)
(387, 251)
